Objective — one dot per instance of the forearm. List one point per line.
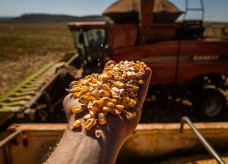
(81, 147)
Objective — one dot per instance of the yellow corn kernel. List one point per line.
(94, 81)
(108, 68)
(109, 73)
(139, 75)
(75, 89)
(107, 109)
(99, 84)
(127, 99)
(76, 124)
(101, 118)
(119, 84)
(78, 109)
(120, 108)
(89, 124)
(140, 82)
(92, 99)
(92, 114)
(104, 93)
(114, 101)
(84, 99)
(105, 99)
(77, 95)
(115, 112)
(132, 103)
(74, 83)
(85, 82)
(87, 116)
(99, 103)
(90, 105)
(104, 77)
(109, 104)
(87, 77)
(106, 87)
(134, 88)
(94, 109)
(95, 94)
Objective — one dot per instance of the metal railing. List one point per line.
(204, 142)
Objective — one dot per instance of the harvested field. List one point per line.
(25, 47)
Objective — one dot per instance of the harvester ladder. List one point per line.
(199, 9)
(204, 142)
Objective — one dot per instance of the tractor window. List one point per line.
(94, 40)
(90, 44)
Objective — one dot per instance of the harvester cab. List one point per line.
(90, 42)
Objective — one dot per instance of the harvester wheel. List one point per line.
(210, 105)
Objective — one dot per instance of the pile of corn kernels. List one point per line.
(113, 91)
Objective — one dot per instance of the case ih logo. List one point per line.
(205, 57)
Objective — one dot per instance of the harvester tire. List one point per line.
(210, 105)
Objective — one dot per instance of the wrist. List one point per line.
(84, 147)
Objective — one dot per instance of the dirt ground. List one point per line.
(24, 48)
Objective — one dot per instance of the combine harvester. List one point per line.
(178, 54)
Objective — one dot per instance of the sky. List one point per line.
(215, 10)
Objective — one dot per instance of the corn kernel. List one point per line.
(87, 116)
(101, 118)
(114, 101)
(78, 109)
(94, 81)
(127, 99)
(107, 109)
(104, 93)
(104, 77)
(100, 103)
(132, 103)
(111, 92)
(89, 124)
(95, 94)
(75, 89)
(84, 99)
(94, 110)
(109, 73)
(92, 99)
(120, 108)
(76, 124)
(109, 104)
(140, 82)
(92, 114)
(115, 112)
(74, 83)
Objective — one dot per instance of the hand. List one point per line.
(119, 128)
(113, 134)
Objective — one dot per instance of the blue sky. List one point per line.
(215, 10)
